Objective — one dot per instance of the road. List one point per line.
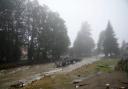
(80, 64)
(27, 74)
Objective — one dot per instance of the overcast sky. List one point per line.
(95, 12)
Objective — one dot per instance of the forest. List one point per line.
(37, 50)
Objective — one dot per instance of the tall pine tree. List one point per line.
(84, 43)
(100, 42)
(110, 44)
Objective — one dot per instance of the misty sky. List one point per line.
(95, 12)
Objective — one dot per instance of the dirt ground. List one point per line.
(27, 74)
(91, 76)
(24, 73)
(98, 81)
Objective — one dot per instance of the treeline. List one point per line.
(26, 24)
(84, 44)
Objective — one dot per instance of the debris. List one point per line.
(107, 85)
(122, 88)
(83, 85)
(75, 82)
(125, 82)
(78, 75)
(17, 85)
(77, 86)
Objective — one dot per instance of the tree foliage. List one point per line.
(108, 42)
(10, 29)
(100, 42)
(25, 23)
(84, 44)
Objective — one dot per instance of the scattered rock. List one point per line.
(17, 85)
(77, 86)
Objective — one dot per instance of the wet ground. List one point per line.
(27, 74)
(80, 64)
(116, 80)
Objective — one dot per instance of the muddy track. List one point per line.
(27, 74)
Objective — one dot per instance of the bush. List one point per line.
(122, 66)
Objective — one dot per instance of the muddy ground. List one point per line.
(99, 81)
(27, 74)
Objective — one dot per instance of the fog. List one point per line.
(95, 12)
(35, 49)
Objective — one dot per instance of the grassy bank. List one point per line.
(64, 81)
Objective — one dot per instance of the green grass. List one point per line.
(106, 65)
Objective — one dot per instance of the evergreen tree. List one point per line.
(110, 42)
(26, 23)
(46, 31)
(100, 42)
(54, 40)
(84, 44)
